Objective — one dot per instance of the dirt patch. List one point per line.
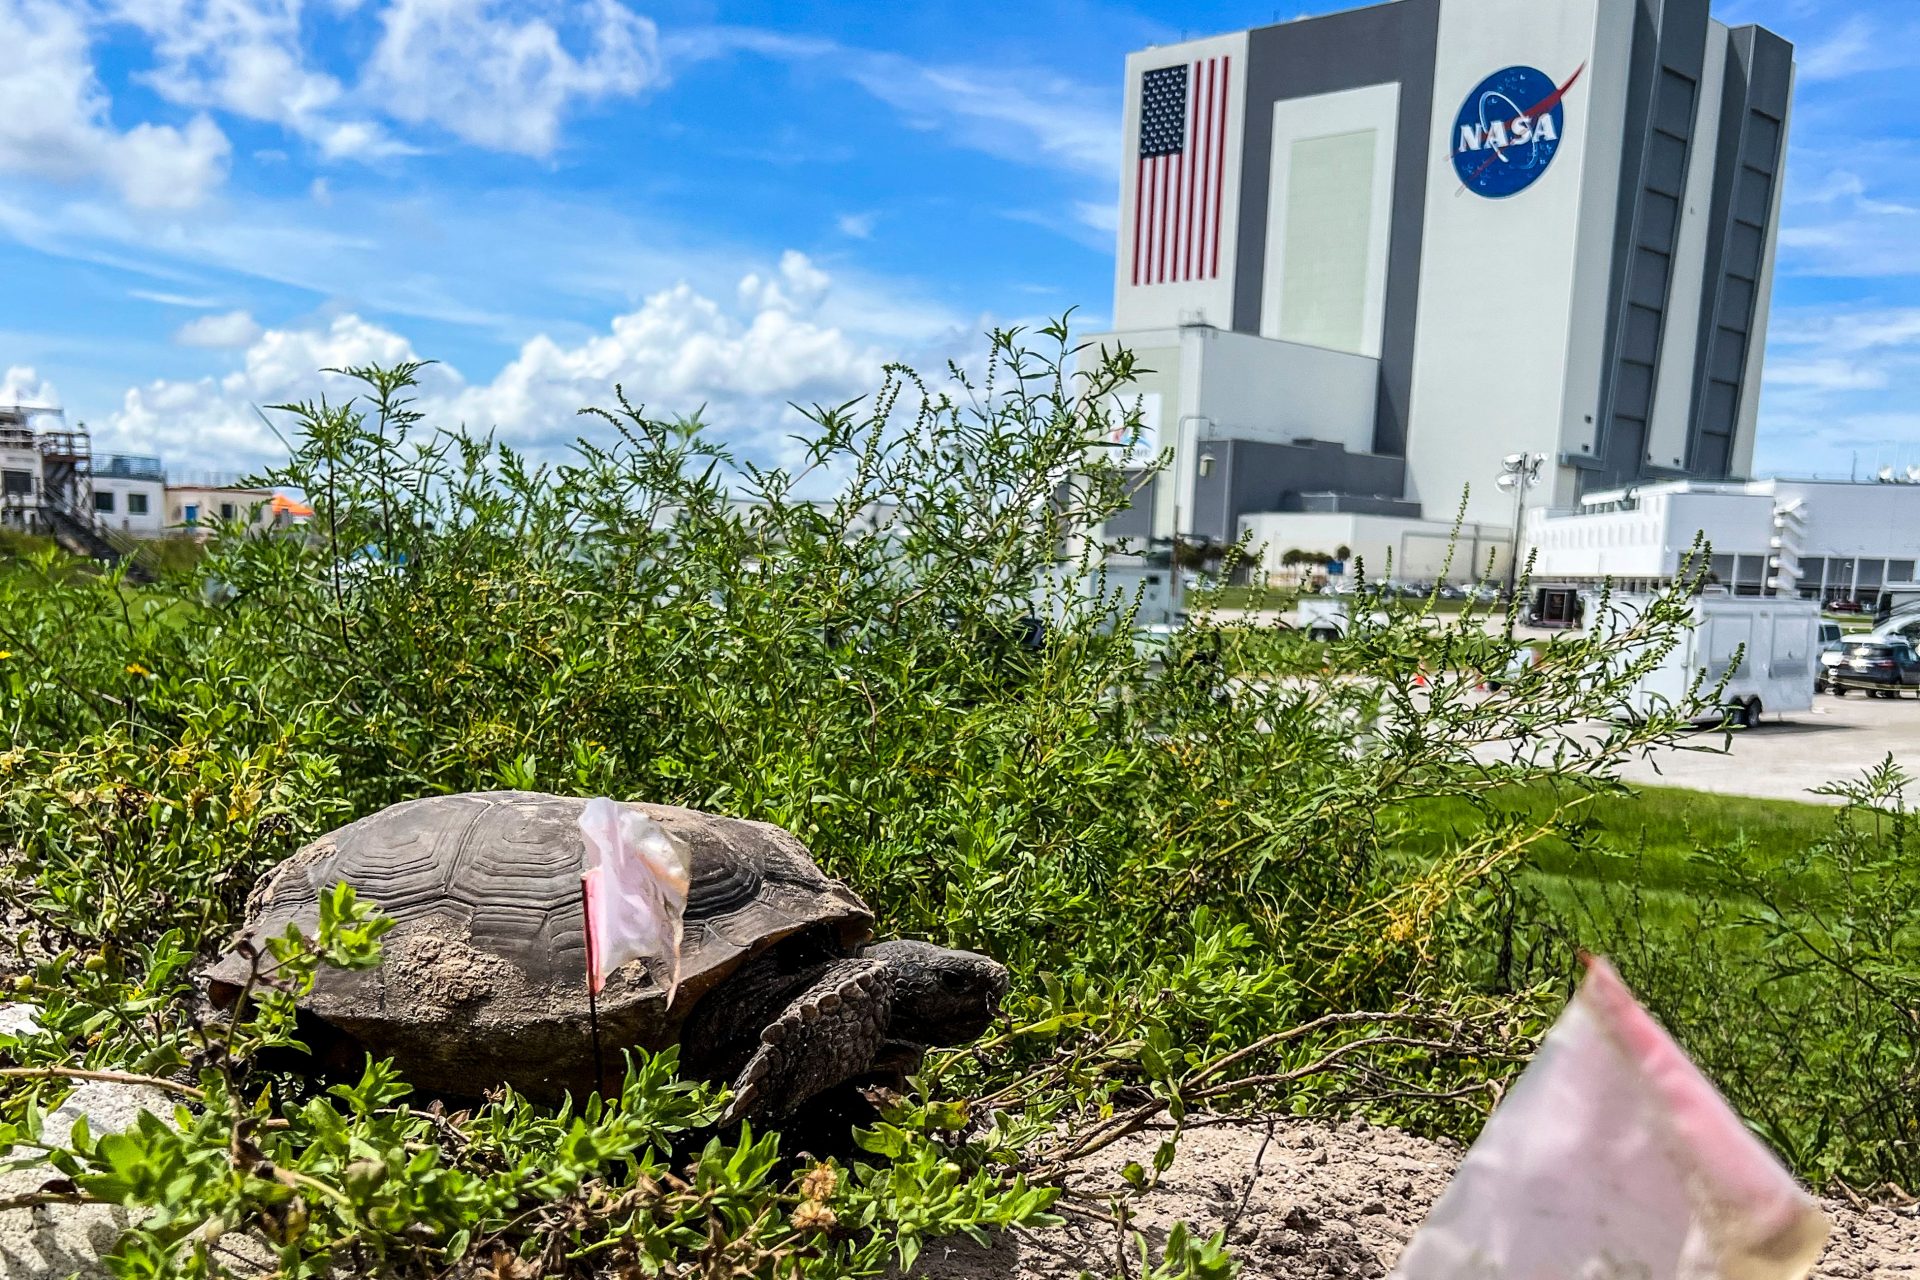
(1306, 1201)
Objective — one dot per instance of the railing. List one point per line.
(122, 466)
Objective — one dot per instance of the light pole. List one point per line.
(1519, 472)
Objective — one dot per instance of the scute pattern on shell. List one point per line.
(484, 973)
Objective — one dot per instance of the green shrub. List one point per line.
(1191, 869)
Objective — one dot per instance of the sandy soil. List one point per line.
(1303, 1201)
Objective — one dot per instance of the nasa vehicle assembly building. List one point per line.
(1366, 257)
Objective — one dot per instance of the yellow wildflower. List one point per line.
(135, 669)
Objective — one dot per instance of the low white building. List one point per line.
(196, 508)
(130, 495)
(1817, 539)
(1386, 546)
(19, 469)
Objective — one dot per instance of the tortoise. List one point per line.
(482, 980)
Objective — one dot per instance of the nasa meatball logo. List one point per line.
(1509, 131)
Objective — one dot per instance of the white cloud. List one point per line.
(210, 423)
(1824, 375)
(55, 118)
(858, 226)
(680, 351)
(489, 76)
(1100, 215)
(227, 329)
(1850, 330)
(174, 299)
(1856, 46)
(245, 57)
(1840, 382)
(1031, 117)
(20, 385)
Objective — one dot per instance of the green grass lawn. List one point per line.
(1635, 853)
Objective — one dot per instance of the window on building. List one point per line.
(1899, 571)
(1839, 578)
(1722, 570)
(1812, 570)
(136, 504)
(1749, 575)
(190, 514)
(1872, 573)
(16, 483)
(226, 511)
(102, 501)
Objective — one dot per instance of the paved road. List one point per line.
(1839, 738)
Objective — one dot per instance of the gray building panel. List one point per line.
(1136, 521)
(1352, 504)
(1386, 43)
(1669, 57)
(1753, 115)
(1253, 475)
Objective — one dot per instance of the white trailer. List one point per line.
(1774, 640)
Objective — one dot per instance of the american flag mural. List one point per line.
(1179, 174)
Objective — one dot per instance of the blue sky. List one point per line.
(204, 201)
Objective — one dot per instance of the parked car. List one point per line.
(1884, 668)
(1841, 604)
(1831, 655)
(1830, 633)
(1902, 626)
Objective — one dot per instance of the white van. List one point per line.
(1776, 639)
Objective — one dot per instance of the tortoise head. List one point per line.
(940, 996)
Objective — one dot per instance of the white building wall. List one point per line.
(1206, 384)
(1410, 550)
(122, 518)
(1153, 306)
(1327, 236)
(206, 503)
(1619, 544)
(1874, 520)
(1733, 523)
(1513, 292)
(21, 459)
(1252, 388)
(1854, 525)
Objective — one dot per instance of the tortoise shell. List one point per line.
(482, 980)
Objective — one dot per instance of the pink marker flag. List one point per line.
(1614, 1157)
(635, 887)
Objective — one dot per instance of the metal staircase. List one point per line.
(66, 503)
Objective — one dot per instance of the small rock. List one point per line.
(19, 1019)
(1374, 1206)
(57, 1240)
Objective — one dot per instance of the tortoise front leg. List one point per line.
(831, 1033)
